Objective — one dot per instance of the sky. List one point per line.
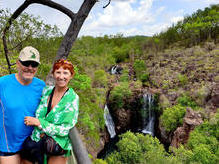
(126, 17)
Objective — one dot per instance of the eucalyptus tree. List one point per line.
(24, 28)
(77, 20)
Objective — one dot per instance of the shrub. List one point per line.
(186, 101)
(118, 95)
(100, 79)
(204, 142)
(129, 148)
(120, 54)
(137, 148)
(182, 154)
(125, 76)
(202, 154)
(80, 81)
(144, 77)
(205, 134)
(183, 79)
(165, 84)
(173, 117)
(140, 70)
(99, 161)
(43, 70)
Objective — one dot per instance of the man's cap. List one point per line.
(29, 54)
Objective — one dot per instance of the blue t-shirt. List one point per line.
(16, 102)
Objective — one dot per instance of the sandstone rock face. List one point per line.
(191, 120)
(215, 96)
(123, 119)
(165, 137)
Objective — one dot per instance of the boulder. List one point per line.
(190, 121)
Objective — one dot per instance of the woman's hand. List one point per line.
(31, 121)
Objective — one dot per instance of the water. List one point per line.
(114, 70)
(148, 115)
(109, 122)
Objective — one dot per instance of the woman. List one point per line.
(57, 112)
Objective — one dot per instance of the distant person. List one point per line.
(55, 116)
(20, 95)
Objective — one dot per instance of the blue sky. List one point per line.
(127, 17)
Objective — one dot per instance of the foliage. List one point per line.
(192, 30)
(24, 31)
(137, 148)
(81, 81)
(186, 101)
(118, 94)
(99, 161)
(202, 154)
(140, 70)
(125, 75)
(120, 53)
(172, 117)
(203, 144)
(91, 56)
(182, 79)
(43, 70)
(100, 79)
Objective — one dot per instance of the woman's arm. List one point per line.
(69, 119)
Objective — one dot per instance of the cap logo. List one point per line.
(33, 55)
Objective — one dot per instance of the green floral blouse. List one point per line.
(59, 120)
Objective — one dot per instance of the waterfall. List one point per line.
(148, 115)
(109, 122)
(114, 70)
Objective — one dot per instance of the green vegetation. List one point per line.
(172, 117)
(125, 75)
(203, 144)
(100, 79)
(192, 30)
(140, 70)
(137, 148)
(183, 80)
(186, 101)
(119, 94)
(173, 71)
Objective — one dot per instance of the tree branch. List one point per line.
(9, 22)
(74, 29)
(20, 10)
(56, 6)
(107, 4)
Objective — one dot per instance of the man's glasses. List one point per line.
(28, 63)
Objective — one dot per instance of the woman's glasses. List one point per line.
(28, 63)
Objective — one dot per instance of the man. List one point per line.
(19, 97)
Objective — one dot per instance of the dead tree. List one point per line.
(77, 20)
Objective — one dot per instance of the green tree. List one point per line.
(119, 94)
(172, 117)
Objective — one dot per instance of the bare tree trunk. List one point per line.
(74, 29)
(72, 34)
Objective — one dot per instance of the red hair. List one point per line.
(65, 64)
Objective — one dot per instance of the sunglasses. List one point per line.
(28, 63)
(63, 61)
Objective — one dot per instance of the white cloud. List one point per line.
(212, 1)
(207, 2)
(150, 30)
(176, 19)
(121, 15)
(130, 17)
